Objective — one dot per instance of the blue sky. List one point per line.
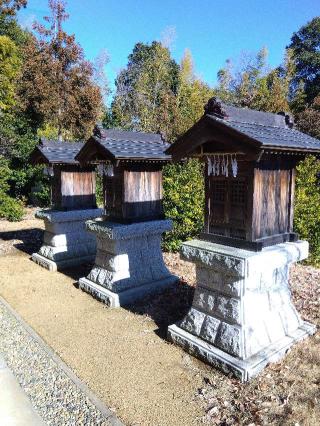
(213, 30)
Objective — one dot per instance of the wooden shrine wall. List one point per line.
(273, 198)
(142, 194)
(134, 193)
(74, 188)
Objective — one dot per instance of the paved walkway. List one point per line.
(15, 407)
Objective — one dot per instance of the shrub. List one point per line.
(99, 190)
(183, 186)
(10, 208)
(307, 206)
(41, 193)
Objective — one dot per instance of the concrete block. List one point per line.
(15, 407)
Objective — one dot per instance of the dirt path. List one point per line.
(124, 358)
(116, 352)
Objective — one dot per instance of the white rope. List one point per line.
(234, 166)
(219, 165)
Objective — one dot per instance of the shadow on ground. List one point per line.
(167, 307)
(77, 272)
(27, 240)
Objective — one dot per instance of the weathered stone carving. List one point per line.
(242, 316)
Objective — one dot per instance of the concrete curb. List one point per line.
(15, 406)
(110, 416)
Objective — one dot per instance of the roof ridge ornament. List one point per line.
(98, 130)
(162, 136)
(215, 107)
(288, 118)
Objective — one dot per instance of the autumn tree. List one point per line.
(308, 120)
(10, 7)
(226, 80)
(56, 87)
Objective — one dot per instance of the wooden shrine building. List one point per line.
(129, 263)
(250, 159)
(72, 186)
(132, 164)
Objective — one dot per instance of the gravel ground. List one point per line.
(53, 394)
(124, 358)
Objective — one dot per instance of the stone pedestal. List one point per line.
(242, 316)
(66, 240)
(129, 263)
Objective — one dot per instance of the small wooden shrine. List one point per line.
(242, 316)
(129, 263)
(72, 187)
(132, 165)
(66, 241)
(250, 158)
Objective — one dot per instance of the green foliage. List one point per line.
(254, 85)
(99, 190)
(146, 89)
(10, 208)
(192, 95)
(183, 186)
(305, 45)
(307, 206)
(41, 192)
(9, 67)
(18, 140)
(9, 27)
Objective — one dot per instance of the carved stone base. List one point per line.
(62, 264)
(242, 315)
(126, 297)
(242, 369)
(66, 240)
(129, 263)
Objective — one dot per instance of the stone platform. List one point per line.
(66, 240)
(242, 316)
(129, 263)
